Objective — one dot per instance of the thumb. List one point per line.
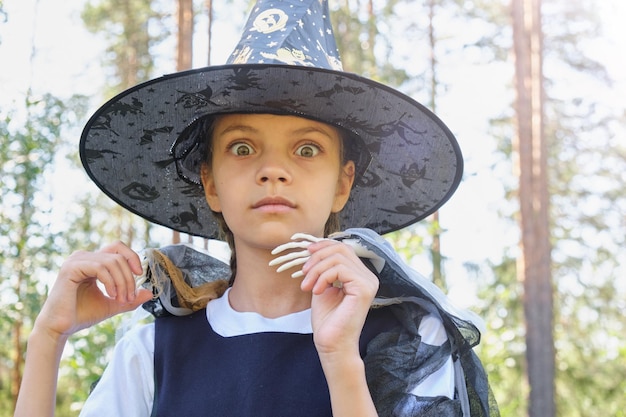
(143, 295)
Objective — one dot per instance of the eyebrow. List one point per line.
(303, 130)
(310, 129)
(232, 128)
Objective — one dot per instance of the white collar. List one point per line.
(227, 322)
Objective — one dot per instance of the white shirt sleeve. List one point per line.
(126, 388)
(440, 382)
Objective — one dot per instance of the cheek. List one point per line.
(228, 190)
(325, 188)
(212, 188)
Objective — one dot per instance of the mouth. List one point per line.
(274, 204)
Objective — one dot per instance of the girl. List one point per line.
(267, 152)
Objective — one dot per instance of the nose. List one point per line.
(273, 170)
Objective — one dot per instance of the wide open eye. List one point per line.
(308, 150)
(241, 149)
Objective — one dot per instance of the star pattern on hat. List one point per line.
(144, 147)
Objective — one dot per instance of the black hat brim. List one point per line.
(416, 163)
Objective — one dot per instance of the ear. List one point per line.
(344, 186)
(210, 191)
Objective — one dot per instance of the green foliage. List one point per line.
(587, 205)
(359, 38)
(26, 155)
(407, 243)
(28, 245)
(587, 162)
(32, 247)
(132, 30)
(502, 347)
(84, 362)
(588, 202)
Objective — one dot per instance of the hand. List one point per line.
(75, 300)
(343, 289)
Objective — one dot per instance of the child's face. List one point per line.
(272, 176)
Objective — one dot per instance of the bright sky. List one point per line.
(66, 60)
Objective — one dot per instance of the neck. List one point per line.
(259, 288)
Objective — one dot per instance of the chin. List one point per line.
(275, 235)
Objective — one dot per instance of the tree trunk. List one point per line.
(435, 247)
(185, 52)
(209, 9)
(535, 260)
(185, 34)
(18, 360)
(19, 345)
(131, 68)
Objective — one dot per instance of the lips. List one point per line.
(273, 202)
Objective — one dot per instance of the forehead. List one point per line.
(270, 123)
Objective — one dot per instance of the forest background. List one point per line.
(61, 60)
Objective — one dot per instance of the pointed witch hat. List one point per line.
(141, 148)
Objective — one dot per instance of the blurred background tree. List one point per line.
(31, 247)
(430, 50)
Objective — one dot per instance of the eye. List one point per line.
(241, 149)
(308, 150)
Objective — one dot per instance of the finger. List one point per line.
(125, 265)
(111, 307)
(143, 296)
(341, 269)
(291, 264)
(111, 270)
(289, 257)
(335, 276)
(328, 251)
(324, 244)
(321, 273)
(130, 255)
(107, 273)
(305, 236)
(290, 245)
